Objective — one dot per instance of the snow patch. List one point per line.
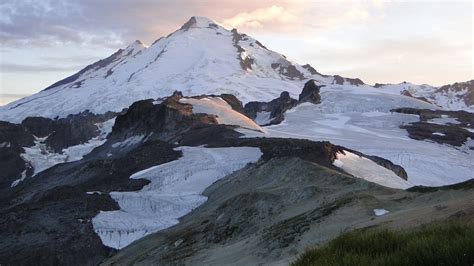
(224, 112)
(263, 118)
(438, 134)
(5, 145)
(444, 120)
(40, 156)
(364, 168)
(16, 182)
(380, 212)
(128, 142)
(175, 190)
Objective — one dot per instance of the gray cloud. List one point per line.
(107, 23)
(11, 67)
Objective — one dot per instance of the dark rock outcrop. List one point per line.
(378, 85)
(407, 93)
(65, 132)
(286, 68)
(468, 87)
(312, 70)
(47, 219)
(61, 133)
(454, 134)
(465, 119)
(443, 134)
(352, 81)
(13, 138)
(310, 93)
(164, 121)
(245, 61)
(276, 107)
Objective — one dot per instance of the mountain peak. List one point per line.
(199, 22)
(134, 47)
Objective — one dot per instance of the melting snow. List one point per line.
(380, 212)
(364, 168)
(128, 142)
(263, 118)
(224, 112)
(5, 145)
(444, 120)
(40, 157)
(16, 182)
(175, 190)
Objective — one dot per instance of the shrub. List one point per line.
(438, 244)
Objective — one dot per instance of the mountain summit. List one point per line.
(199, 58)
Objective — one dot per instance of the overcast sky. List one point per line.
(422, 41)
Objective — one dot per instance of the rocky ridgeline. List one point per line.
(275, 109)
(57, 134)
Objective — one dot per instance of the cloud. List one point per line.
(258, 17)
(11, 67)
(10, 97)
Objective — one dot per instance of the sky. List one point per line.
(379, 41)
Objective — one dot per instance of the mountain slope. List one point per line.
(200, 58)
(456, 96)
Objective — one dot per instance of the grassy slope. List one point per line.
(440, 244)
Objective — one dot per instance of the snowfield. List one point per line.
(363, 122)
(174, 191)
(40, 157)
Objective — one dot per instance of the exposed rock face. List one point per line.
(312, 70)
(245, 61)
(287, 69)
(378, 85)
(162, 121)
(186, 26)
(407, 93)
(13, 138)
(275, 109)
(59, 134)
(310, 93)
(47, 219)
(352, 81)
(452, 132)
(467, 87)
(462, 118)
(444, 134)
(66, 132)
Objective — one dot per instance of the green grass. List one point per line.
(441, 244)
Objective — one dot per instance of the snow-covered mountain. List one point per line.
(260, 156)
(199, 58)
(456, 96)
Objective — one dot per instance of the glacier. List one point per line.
(175, 190)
